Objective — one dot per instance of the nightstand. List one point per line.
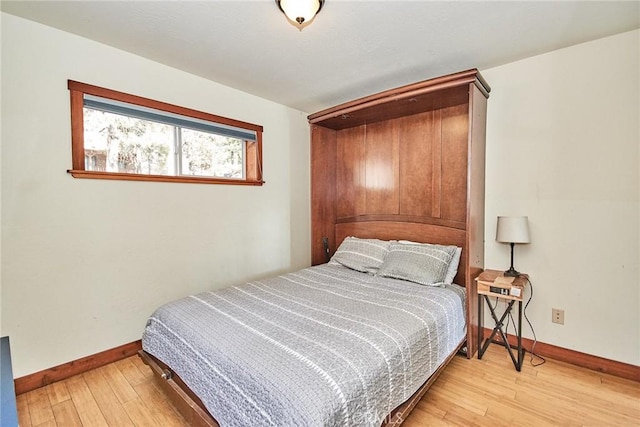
(493, 283)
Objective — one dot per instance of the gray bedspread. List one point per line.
(324, 346)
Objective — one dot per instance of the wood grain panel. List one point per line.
(158, 178)
(382, 168)
(350, 172)
(66, 414)
(436, 166)
(475, 207)
(455, 134)
(403, 101)
(323, 194)
(476, 176)
(417, 136)
(389, 230)
(90, 415)
(121, 387)
(133, 375)
(579, 395)
(405, 218)
(154, 398)
(77, 130)
(253, 160)
(39, 406)
(106, 398)
(403, 106)
(24, 417)
(140, 414)
(435, 176)
(57, 392)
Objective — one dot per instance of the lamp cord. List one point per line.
(511, 321)
(535, 339)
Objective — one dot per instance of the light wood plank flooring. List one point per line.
(469, 392)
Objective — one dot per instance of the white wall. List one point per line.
(84, 262)
(563, 140)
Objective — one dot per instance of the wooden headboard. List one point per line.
(407, 163)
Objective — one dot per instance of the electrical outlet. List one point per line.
(557, 316)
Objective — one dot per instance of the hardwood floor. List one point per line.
(469, 392)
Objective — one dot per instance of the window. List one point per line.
(120, 136)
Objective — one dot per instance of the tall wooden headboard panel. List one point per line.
(407, 163)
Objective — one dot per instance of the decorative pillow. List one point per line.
(453, 266)
(364, 255)
(420, 263)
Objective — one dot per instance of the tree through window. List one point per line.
(120, 136)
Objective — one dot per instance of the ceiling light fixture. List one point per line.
(300, 12)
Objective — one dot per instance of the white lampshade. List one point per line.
(300, 11)
(513, 229)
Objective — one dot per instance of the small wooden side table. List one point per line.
(495, 284)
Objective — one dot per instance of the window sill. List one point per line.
(159, 178)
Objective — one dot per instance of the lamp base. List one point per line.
(511, 272)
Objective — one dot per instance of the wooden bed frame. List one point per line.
(194, 412)
(407, 163)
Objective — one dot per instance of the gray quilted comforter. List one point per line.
(324, 346)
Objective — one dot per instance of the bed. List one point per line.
(407, 163)
(324, 346)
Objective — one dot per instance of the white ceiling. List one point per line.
(352, 48)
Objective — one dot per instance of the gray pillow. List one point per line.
(453, 266)
(425, 264)
(364, 255)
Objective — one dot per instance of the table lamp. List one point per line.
(512, 230)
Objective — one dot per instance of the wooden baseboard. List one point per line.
(584, 360)
(66, 370)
